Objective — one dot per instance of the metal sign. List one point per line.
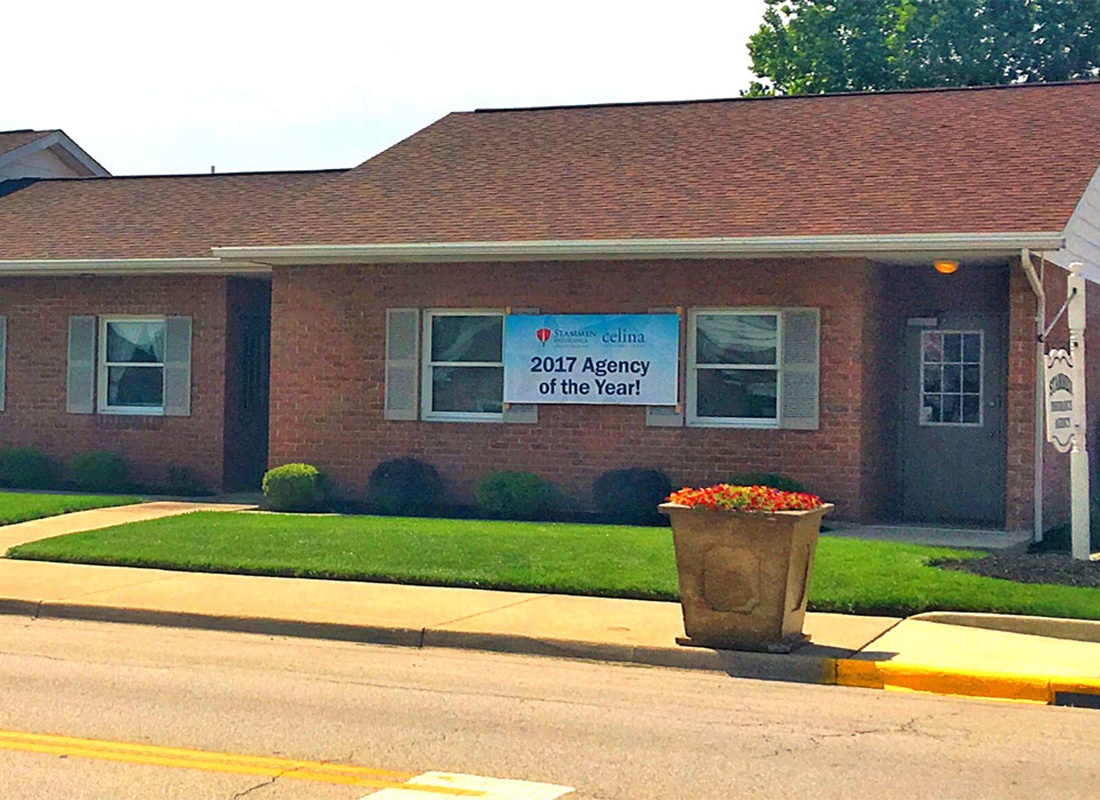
(621, 359)
(1061, 408)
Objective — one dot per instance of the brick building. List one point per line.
(796, 239)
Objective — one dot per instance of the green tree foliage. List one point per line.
(817, 46)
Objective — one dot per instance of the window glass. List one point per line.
(133, 365)
(135, 342)
(735, 369)
(467, 338)
(136, 387)
(470, 389)
(951, 378)
(466, 369)
(736, 338)
(744, 393)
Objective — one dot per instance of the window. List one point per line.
(753, 368)
(951, 378)
(131, 365)
(463, 376)
(735, 368)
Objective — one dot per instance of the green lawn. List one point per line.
(23, 506)
(849, 575)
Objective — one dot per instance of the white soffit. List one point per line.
(64, 148)
(897, 247)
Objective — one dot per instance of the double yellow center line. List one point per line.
(316, 771)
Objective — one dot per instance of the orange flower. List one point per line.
(727, 497)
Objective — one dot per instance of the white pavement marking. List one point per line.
(493, 788)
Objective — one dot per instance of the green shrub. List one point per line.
(26, 468)
(631, 496)
(516, 495)
(182, 482)
(296, 487)
(405, 485)
(101, 472)
(772, 479)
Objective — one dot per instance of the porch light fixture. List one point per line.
(946, 267)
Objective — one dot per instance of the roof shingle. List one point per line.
(1007, 159)
(147, 217)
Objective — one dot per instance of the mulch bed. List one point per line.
(1049, 567)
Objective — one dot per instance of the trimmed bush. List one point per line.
(26, 468)
(296, 487)
(405, 485)
(772, 479)
(516, 495)
(101, 471)
(631, 496)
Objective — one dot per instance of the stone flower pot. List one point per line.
(744, 575)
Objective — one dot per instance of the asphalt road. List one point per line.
(610, 731)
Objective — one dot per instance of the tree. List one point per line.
(816, 46)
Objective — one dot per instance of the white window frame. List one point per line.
(693, 419)
(102, 404)
(428, 365)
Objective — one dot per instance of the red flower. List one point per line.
(726, 497)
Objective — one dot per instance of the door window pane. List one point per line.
(951, 378)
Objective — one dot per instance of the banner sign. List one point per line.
(1059, 375)
(622, 359)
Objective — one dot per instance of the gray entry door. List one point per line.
(952, 426)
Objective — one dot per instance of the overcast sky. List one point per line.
(157, 87)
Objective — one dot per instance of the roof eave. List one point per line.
(888, 246)
(127, 266)
(72, 154)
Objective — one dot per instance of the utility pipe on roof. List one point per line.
(1036, 281)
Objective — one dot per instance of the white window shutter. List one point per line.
(664, 416)
(522, 413)
(402, 367)
(799, 390)
(80, 379)
(3, 357)
(177, 367)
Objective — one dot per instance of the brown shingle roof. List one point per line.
(13, 140)
(972, 160)
(146, 217)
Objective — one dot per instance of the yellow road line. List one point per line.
(219, 762)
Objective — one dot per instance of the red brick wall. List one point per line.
(328, 336)
(38, 311)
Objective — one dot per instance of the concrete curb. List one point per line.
(808, 667)
(1081, 630)
(795, 668)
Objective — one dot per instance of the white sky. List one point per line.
(157, 86)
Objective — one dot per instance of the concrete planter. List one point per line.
(743, 575)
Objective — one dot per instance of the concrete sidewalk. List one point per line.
(1028, 659)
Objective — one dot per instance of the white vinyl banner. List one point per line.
(624, 359)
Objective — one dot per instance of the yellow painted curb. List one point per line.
(888, 675)
(1075, 685)
(864, 674)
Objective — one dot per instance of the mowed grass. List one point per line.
(24, 506)
(850, 576)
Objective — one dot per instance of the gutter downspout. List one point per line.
(1036, 282)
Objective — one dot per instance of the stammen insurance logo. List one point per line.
(543, 335)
